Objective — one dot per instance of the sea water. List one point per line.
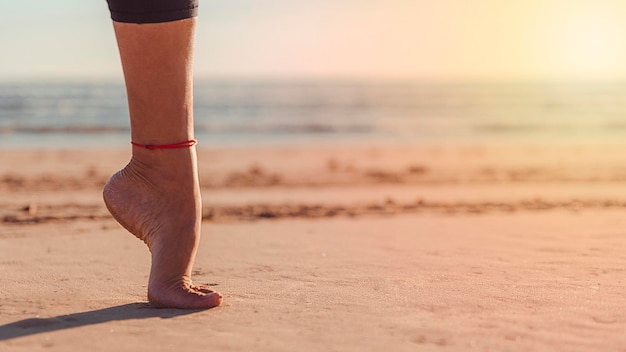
(280, 112)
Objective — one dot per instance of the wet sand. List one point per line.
(342, 249)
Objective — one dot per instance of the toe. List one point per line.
(186, 299)
(202, 288)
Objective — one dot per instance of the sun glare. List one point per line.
(590, 45)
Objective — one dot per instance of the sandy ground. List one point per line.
(457, 248)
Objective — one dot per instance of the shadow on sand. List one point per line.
(35, 326)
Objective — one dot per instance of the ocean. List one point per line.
(231, 113)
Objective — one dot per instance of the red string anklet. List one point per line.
(187, 144)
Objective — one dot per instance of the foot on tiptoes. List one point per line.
(156, 197)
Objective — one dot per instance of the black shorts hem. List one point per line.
(154, 17)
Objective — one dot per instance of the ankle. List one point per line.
(179, 145)
(164, 158)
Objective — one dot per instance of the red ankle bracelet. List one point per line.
(187, 144)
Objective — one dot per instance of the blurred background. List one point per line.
(279, 72)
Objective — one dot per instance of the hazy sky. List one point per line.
(428, 39)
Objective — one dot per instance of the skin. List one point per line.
(156, 196)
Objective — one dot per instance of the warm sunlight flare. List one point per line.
(591, 44)
(545, 40)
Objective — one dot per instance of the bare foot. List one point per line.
(157, 198)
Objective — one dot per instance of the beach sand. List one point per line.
(352, 248)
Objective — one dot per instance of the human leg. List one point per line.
(157, 196)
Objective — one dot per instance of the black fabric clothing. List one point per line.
(152, 11)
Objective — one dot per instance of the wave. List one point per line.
(62, 130)
(275, 110)
(273, 129)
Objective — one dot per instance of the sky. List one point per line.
(390, 39)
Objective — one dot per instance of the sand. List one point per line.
(351, 248)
